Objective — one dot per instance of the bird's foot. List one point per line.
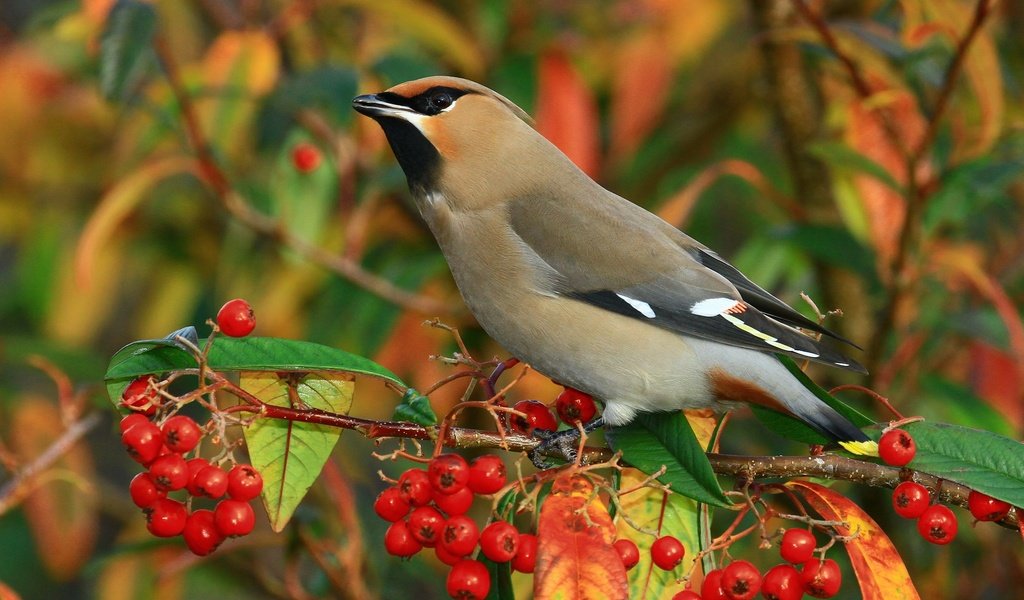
(563, 443)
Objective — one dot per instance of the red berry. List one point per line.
(821, 578)
(667, 552)
(169, 472)
(244, 482)
(937, 524)
(426, 524)
(181, 433)
(132, 419)
(140, 396)
(236, 318)
(390, 505)
(445, 556)
(499, 541)
(459, 535)
(166, 517)
(144, 491)
(741, 580)
(305, 157)
(142, 441)
(487, 474)
(454, 504)
(211, 481)
(537, 417)
(686, 595)
(526, 556)
(910, 499)
(896, 447)
(469, 580)
(398, 540)
(194, 466)
(448, 473)
(234, 518)
(201, 534)
(782, 582)
(628, 552)
(797, 546)
(574, 406)
(711, 589)
(414, 486)
(986, 508)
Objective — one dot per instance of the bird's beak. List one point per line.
(377, 106)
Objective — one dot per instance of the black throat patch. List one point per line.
(416, 155)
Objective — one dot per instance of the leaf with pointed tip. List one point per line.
(653, 440)
(290, 454)
(156, 357)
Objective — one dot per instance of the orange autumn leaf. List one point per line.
(643, 76)
(997, 378)
(575, 556)
(879, 568)
(866, 133)
(566, 111)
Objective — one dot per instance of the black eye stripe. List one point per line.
(430, 102)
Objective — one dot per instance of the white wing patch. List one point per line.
(640, 306)
(713, 307)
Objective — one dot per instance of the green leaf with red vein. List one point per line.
(876, 563)
(290, 454)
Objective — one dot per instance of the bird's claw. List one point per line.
(560, 443)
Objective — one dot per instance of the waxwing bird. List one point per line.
(590, 289)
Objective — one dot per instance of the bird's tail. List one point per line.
(827, 421)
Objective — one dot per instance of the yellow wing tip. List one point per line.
(867, 448)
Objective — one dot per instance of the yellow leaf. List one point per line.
(117, 204)
(878, 566)
(242, 59)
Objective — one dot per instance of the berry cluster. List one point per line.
(162, 449)
(740, 580)
(911, 500)
(572, 406)
(427, 509)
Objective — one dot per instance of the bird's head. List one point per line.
(452, 135)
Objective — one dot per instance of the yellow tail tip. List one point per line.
(867, 448)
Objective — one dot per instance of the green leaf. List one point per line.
(842, 157)
(415, 408)
(653, 440)
(980, 460)
(291, 454)
(794, 429)
(126, 47)
(302, 201)
(242, 354)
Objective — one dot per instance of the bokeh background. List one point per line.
(879, 185)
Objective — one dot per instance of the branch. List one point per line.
(15, 489)
(239, 208)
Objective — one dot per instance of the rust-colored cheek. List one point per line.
(733, 389)
(439, 137)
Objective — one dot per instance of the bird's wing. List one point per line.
(628, 261)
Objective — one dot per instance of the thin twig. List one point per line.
(12, 492)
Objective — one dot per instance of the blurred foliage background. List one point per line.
(888, 185)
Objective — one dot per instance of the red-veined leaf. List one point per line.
(566, 111)
(878, 566)
(575, 556)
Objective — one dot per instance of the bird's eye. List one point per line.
(439, 101)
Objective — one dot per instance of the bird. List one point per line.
(587, 287)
